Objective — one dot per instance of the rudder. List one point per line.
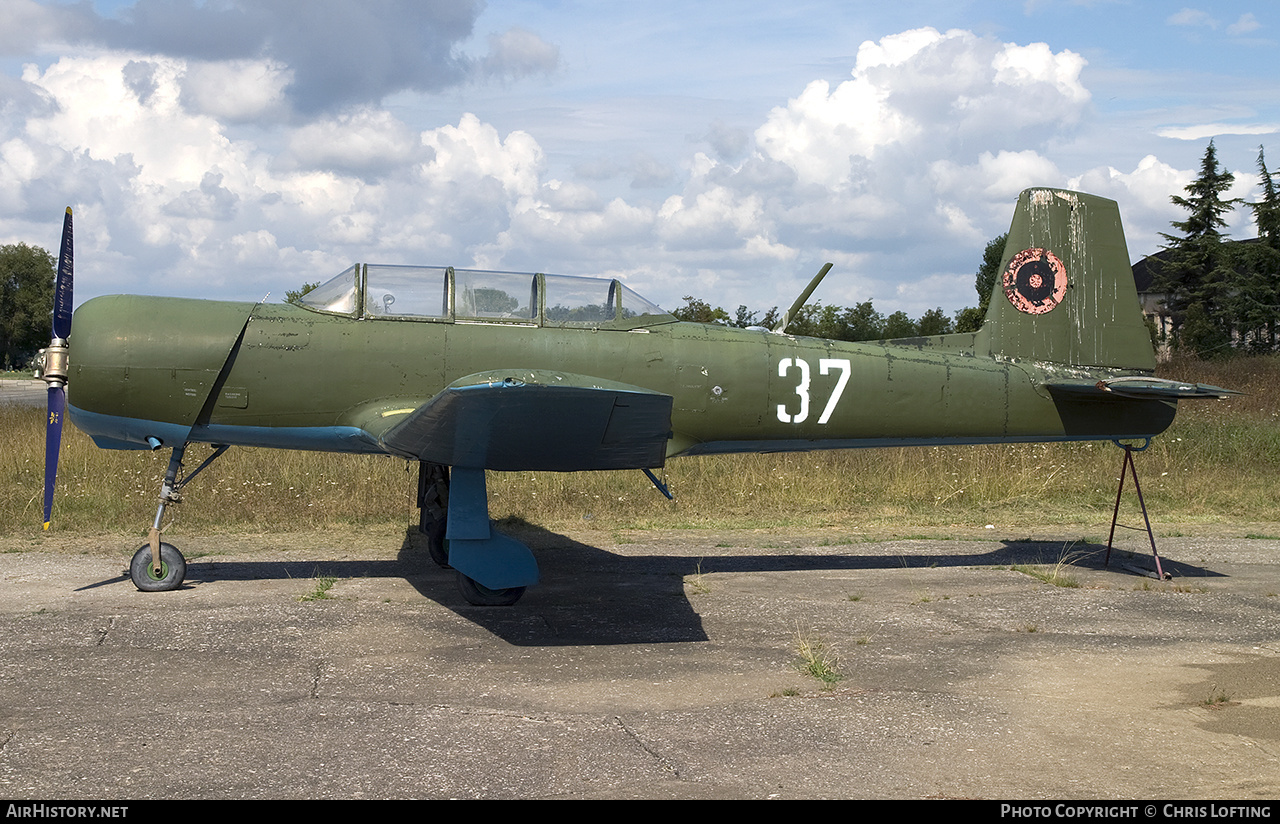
(1065, 293)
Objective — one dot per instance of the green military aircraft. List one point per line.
(467, 371)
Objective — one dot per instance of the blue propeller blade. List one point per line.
(52, 443)
(62, 286)
(57, 377)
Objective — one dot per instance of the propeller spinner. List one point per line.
(55, 365)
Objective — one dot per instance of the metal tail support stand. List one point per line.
(1129, 468)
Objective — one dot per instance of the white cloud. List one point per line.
(1028, 68)
(1205, 131)
(210, 201)
(28, 24)
(1149, 185)
(1145, 193)
(198, 171)
(99, 112)
(714, 219)
(518, 52)
(1144, 198)
(1193, 18)
(365, 142)
(339, 53)
(237, 90)
(988, 187)
(1246, 24)
(924, 91)
(473, 150)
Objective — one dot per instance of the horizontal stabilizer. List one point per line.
(537, 420)
(1141, 388)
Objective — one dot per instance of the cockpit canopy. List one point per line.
(368, 290)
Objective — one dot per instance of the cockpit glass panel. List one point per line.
(424, 292)
(338, 294)
(495, 295)
(406, 291)
(634, 306)
(579, 300)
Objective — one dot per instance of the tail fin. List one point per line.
(1065, 292)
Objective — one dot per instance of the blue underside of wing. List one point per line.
(113, 432)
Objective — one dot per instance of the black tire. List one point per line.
(481, 596)
(173, 569)
(433, 508)
(437, 544)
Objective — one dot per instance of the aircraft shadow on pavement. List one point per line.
(1078, 554)
(591, 596)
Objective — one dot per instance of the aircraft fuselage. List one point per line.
(285, 376)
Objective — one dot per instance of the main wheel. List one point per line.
(481, 596)
(433, 506)
(173, 568)
(437, 544)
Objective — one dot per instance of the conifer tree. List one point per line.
(1266, 213)
(1254, 300)
(1196, 275)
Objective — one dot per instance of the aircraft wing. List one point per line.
(1140, 388)
(536, 420)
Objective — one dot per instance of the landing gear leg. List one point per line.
(159, 566)
(493, 569)
(433, 505)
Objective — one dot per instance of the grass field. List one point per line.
(1216, 465)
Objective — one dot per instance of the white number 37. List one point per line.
(825, 365)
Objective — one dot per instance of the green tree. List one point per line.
(861, 322)
(26, 302)
(989, 272)
(744, 318)
(1266, 213)
(1253, 296)
(814, 321)
(970, 318)
(294, 296)
(1198, 271)
(935, 322)
(699, 311)
(818, 320)
(1204, 202)
(900, 325)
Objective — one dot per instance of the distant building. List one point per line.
(1153, 301)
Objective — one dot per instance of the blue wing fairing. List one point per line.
(118, 432)
(513, 420)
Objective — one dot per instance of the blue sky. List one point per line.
(228, 149)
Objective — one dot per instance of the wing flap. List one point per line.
(537, 420)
